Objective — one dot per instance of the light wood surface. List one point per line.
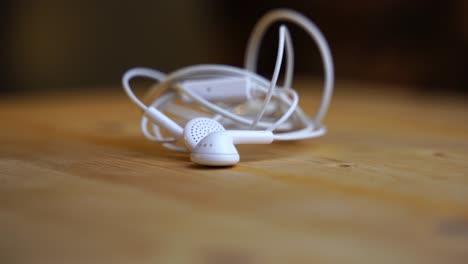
(388, 184)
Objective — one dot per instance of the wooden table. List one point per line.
(388, 184)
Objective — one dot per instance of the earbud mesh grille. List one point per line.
(197, 129)
(203, 127)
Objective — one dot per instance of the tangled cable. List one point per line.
(268, 106)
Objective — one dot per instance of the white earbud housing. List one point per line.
(212, 145)
(216, 149)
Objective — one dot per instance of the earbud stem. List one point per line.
(250, 137)
(164, 121)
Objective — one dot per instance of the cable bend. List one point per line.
(253, 46)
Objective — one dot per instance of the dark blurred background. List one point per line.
(71, 44)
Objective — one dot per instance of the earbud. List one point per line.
(210, 144)
(236, 96)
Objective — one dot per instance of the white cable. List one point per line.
(215, 108)
(289, 112)
(139, 72)
(251, 55)
(274, 79)
(156, 134)
(288, 74)
(283, 114)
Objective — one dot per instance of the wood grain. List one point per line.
(388, 184)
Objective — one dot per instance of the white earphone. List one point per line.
(210, 144)
(222, 96)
